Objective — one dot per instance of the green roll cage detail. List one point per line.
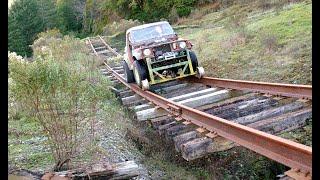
(153, 72)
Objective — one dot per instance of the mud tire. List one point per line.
(128, 74)
(139, 72)
(194, 60)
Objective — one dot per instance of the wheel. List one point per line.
(128, 74)
(139, 72)
(194, 60)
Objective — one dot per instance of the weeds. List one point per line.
(61, 90)
(270, 43)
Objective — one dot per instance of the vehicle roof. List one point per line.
(145, 26)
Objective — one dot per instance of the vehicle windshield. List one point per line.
(151, 32)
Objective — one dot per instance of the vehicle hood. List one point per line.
(155, 42)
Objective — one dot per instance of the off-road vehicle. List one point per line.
(154, 54)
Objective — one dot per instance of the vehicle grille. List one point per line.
(169, 62)
(159, 50)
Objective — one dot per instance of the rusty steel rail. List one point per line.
(95, 52)
(289, 153)
(290, 90)
(107, 45)
(284, 151)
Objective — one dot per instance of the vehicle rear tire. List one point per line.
(139, 72)
(194, 60)
(128, 74)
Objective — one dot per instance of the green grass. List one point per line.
(289, 24)
(302, 135)
(26, 148)
(272, 46)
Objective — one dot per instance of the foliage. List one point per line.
(27, 18)
(69, 18)
(48, 14)
(100, 13)
(23, 24)
(61, 92)
(120, 27)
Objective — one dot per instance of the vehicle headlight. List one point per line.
(182, 44)
(147, 52)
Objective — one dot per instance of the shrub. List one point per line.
(62, 93)
(118, 27)
(173, 16)
(183, 11)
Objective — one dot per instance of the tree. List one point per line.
(24, 24)
(70, 15)
(48, 13)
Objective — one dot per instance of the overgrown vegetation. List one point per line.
(248, 42)
(60, 91)
(100, 12)
(27, 18)
(84, 17)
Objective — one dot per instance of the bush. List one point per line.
(183, 11)
(119, 27)
(62, 93)
(173, 16)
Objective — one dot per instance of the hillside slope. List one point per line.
(241, 42)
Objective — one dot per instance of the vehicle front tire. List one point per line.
(139, 72)
(128, 74)
(194, 60)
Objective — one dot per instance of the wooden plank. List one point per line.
(126, 93)
(195, 148)
(247, 108)
(127, 100)
(269, 113)
(193, 102)
(176, 130)
(156, 122)
(206, 99)
(171, 88)
(123, 170)
(227, 102)
(183, 138)
(193, 94)
(162, 128)
(179, 98)
(285, 122)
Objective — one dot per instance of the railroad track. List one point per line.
(211, 114)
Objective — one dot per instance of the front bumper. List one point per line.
(179, 61)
